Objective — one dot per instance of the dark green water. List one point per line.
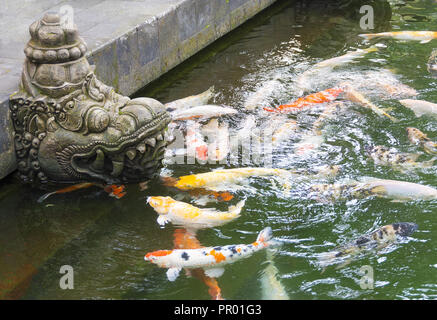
(105, 240)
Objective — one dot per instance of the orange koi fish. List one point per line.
(327, 95)
(186, 240)
(113, 190)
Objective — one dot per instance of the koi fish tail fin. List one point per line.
(429, 163)
(237, 208)
(430, 148)
(45, 196)
(368, 36)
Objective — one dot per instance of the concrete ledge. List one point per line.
(131, 42)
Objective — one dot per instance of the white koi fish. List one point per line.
(284, 132)
(272, 288)
(191, 101)
(398, 191)
(185, 214)
(304, 80)
(211, 259)
(202, 112)
(256, 99)
(422, 36)
(420, 107)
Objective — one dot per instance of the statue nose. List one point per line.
(143, 110)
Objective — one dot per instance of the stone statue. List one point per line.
(70, 127)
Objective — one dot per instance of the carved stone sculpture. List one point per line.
(69, 126)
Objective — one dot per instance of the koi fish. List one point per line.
(399, 90)
(191, 101)
(211, 259)
(325, 115)
(327, 95)
(217, 179)
(196, 146)
(272, 288)
(218, 136)
(398, 191)
(303, 81)
(186, 240)
(377, 239)
(346, 58)
(417, 137)
(182, 213)
(422, 36)
(112, 190)
(420, 107)
(382, 155)
(432, 64)
(202, 112)
(354, 96)
(257, 98)
(308, 144)
(284, 132)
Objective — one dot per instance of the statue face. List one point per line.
(90, 134)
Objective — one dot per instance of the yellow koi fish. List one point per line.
(422, 36)
(216, 179)
(184, 214)
(417, 137)
(354, 96)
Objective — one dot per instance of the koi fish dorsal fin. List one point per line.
(265, 235)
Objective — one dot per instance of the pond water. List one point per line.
(105, 239)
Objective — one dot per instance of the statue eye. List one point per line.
(97, 120)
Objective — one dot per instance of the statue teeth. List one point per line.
(159, 137)
(151, 142)
(131, 153)
(141, 147)
(99, 163)
(117, 168)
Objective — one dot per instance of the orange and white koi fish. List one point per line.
(196, 146)
(191, 101)
(419, 138)
(355, 96)
(112, 190)
(327, 95)
(211, 259)
(202, 112)
(420, 107)
(186, 240)
(422, 36)
(185, 214)
(219, 180)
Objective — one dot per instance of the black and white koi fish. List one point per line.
(377, 239)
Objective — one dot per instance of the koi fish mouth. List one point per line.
(132, 158)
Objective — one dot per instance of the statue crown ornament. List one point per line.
(69, 126)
